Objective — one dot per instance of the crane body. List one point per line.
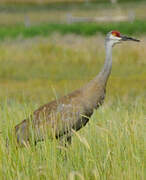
(71, 112)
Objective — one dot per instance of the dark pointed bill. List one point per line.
(126, 38)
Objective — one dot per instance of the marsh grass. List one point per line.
(111, 146)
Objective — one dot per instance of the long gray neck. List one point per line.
(106, 70)
(102, 77)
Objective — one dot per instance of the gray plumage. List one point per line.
(59, 117)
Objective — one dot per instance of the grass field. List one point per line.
(50, 58)
(111, 146)
(42, 20)
(84, 29)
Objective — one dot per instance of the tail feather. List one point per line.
(22, 133)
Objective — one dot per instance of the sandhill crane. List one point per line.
(71, 112)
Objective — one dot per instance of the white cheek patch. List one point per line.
(115, 37)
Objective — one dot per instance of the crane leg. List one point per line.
(65, 140)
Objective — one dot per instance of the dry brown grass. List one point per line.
(41, 62)
(61, 15)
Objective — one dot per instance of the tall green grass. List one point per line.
(111, 146)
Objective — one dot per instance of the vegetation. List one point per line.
(137, 27)
(62, 1)
(43, 20)
(33, 72)
(42, 58)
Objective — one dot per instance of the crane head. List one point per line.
(116, 37)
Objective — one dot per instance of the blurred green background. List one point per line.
(84, 18)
